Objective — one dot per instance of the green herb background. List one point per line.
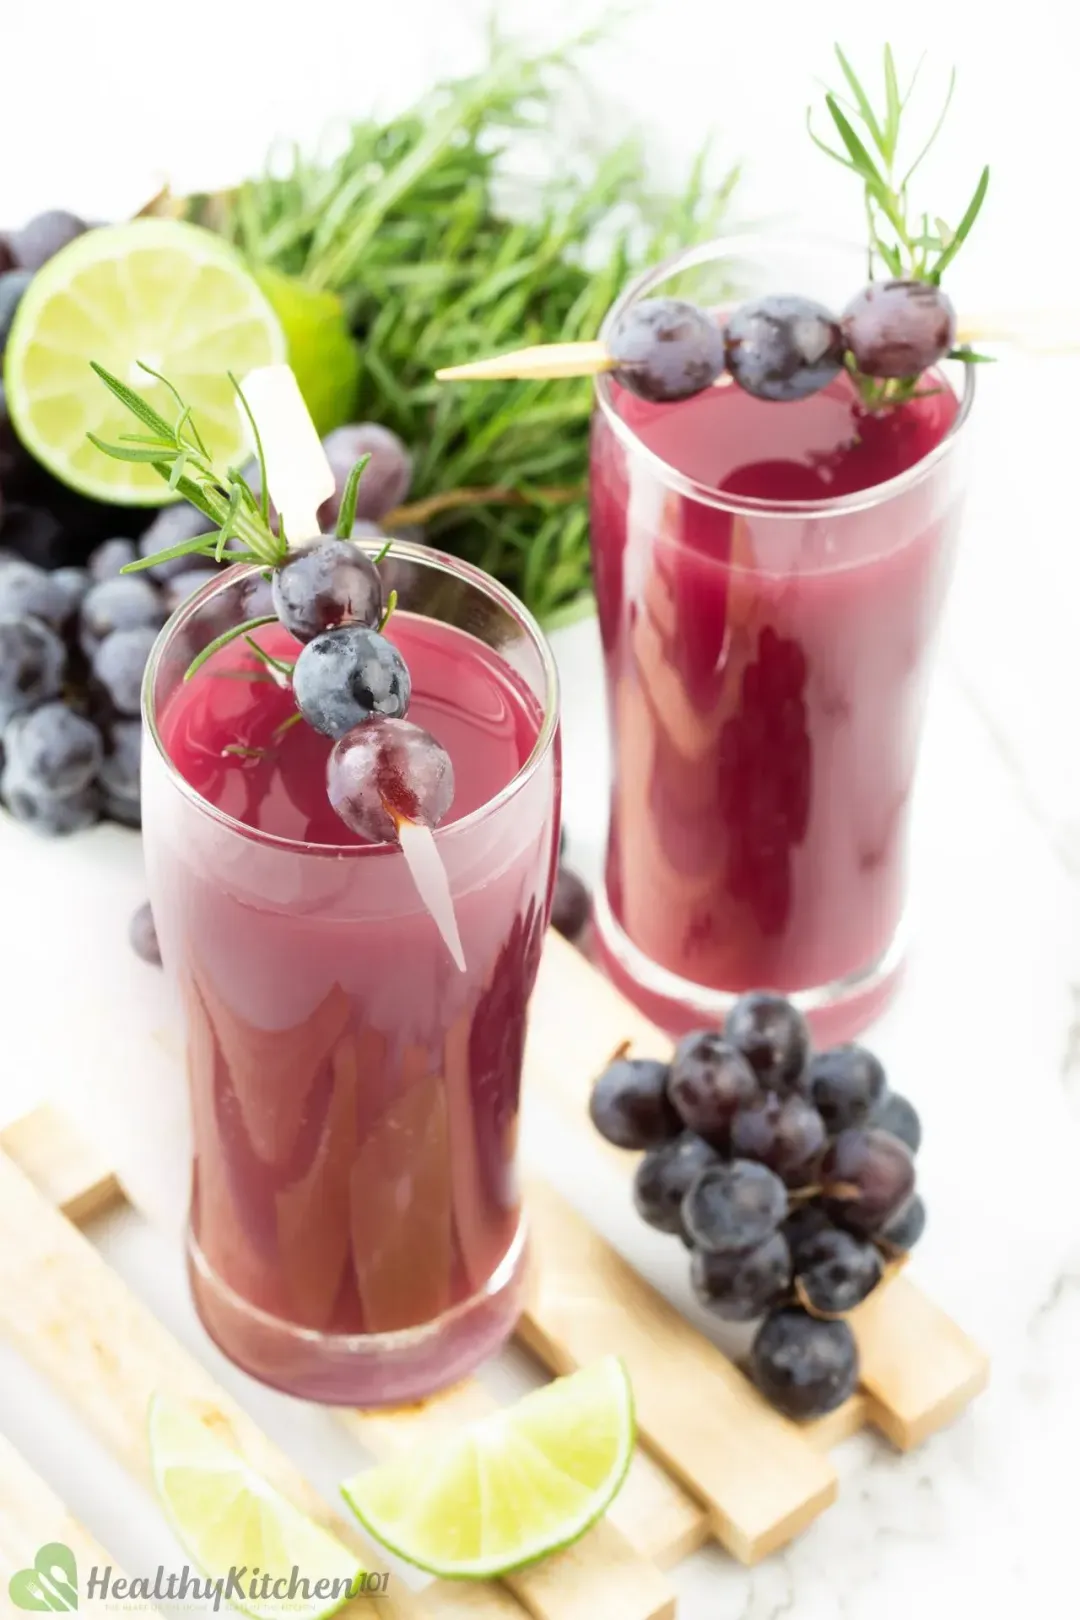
(408, 227)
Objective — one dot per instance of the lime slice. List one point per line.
(322, 352)
(510, 1489)
(172, 295)
(227, 1518)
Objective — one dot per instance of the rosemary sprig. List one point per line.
(911, 245)
(177, 452)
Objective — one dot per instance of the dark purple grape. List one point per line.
(805, 1223)
(12, 455)
(172, 526)
(107, 559)
(13, 283)
(7, 258)
(734, 1207)
(785, 1133)
(710, 1081)
(630, 1106)
(258, 597)
(385, 481)
(73, 584)
(898, 328)
(128, 603)
(49, 814)
(32, 659)
(329, 583)
(742, 1287)
(143, 935)
(53, 750)
(665, 1176)
(29, 591)
(899, 1117)
(877, 1174)
(43, 236)
(179, 587)
(783, 348)
(804, 1366)
(773, 1037)
(346, 676)
(666, 349)
(118, 773)
(119, 664)
(846, 1084)
(904, 1230)
(37, 535)
(836, 1272)
(571, 905)
(128, 812)
(386, 769)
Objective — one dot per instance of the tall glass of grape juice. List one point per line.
(355, 1227)
(770, 579)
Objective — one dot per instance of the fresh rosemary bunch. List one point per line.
(911, 245)
(436, 248)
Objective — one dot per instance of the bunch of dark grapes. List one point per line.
(789, 1174)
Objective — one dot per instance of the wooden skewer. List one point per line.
(1049, 334)
(542, 360)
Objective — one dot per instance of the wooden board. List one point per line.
(715, 1459)
(32, 1517)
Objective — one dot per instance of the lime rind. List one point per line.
(157, 290)
(189, 1461)
(514, 1477)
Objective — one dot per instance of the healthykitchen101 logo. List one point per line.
(51, 1585)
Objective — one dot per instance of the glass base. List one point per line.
(836, 1012)
(361, 1369)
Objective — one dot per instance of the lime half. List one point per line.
(172, 295)
(228, 1519)
(510, 1489)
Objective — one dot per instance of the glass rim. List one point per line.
(407, 551)
(753, 505)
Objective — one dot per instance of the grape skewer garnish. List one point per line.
(387, 780)
(785, 348)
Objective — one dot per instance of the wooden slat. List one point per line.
(602, 1577)
(657, 1516)
(758, 1477)
(32, 1516)
(79, 1324)
(918, 1368)
(613, 1563)
(62, 1165)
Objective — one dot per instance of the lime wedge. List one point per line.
(510, 1489)
(227, 1518)
(322, 352)
(157, 290)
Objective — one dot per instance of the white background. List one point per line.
(99, 104)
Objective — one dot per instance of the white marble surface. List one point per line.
(985, 1035)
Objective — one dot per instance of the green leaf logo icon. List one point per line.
(52, 1586)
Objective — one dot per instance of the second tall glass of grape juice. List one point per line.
(770, 579)
(355, 1232)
